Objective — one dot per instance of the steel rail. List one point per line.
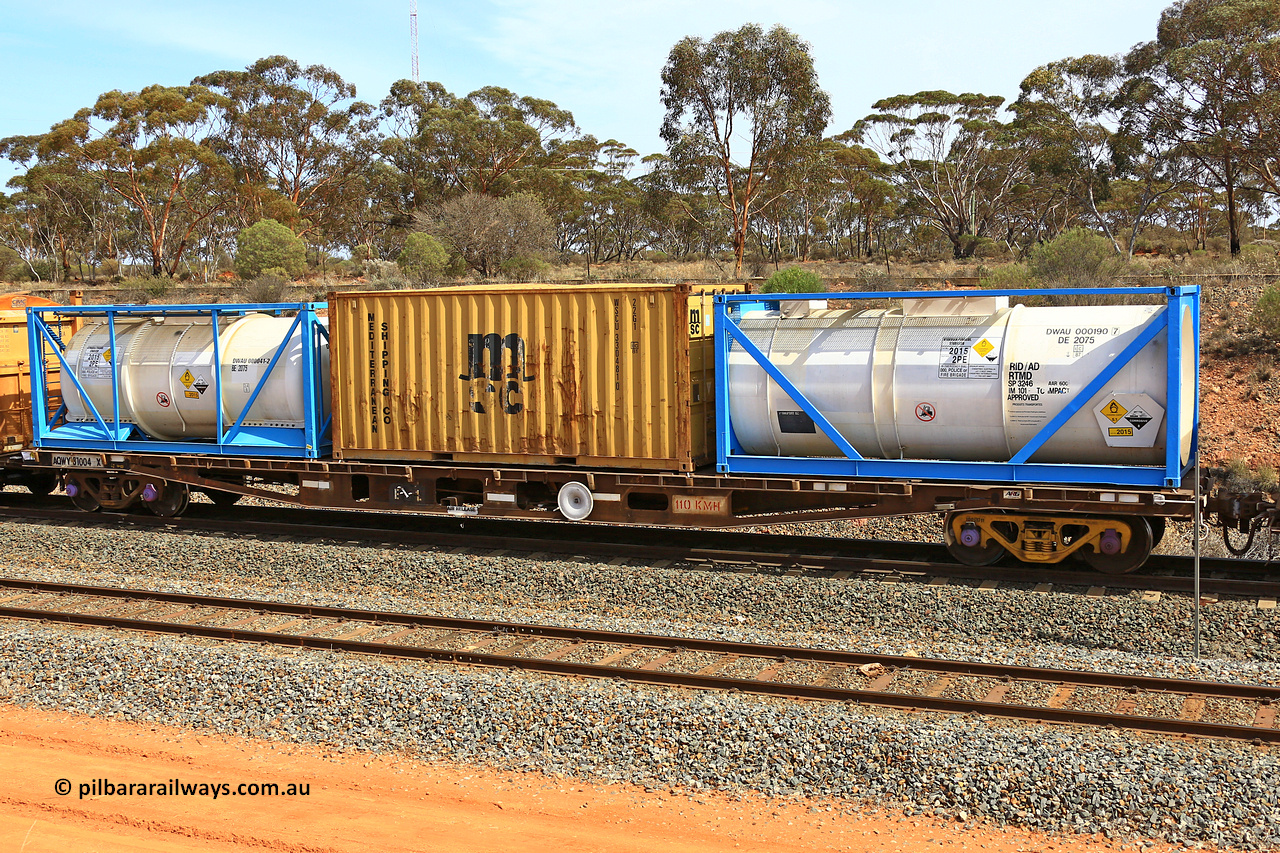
(718, 548)
(1265, 696)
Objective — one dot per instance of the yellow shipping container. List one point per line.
(615, 375)
(15, 369)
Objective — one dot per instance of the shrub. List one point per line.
(379, 270)
(1076, 258)
(1240, 476)
(144, 289)
(271, 286)
(869, 278)
(524, 269)
(793, 280)
(423, 258)
(37, 271)
(266, 244)
(1008, 277)
(487, 231)
(1266, 314)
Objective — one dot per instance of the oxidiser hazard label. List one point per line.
(969, 358)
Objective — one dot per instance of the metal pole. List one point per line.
(1195, 540)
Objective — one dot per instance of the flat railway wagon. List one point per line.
(1043, 432)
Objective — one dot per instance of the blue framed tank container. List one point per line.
(1177, 314)
(109, 428)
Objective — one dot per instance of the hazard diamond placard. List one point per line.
(1113, 411)
(1128, 419)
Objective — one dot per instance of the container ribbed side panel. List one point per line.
(583, 375)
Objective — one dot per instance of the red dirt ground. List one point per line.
(360, 802)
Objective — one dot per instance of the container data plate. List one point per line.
(79, 460)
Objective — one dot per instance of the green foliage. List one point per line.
(474, 144)
(1008, 276)
(916, 133)
(793, 280)
(271, 286)
(144, 289)
(298, 130)
(742, 84)
(487, 231)
(1076, 258)
(267, 244)
(457, 267)
(10, 263)
(39, 270)
(1239, 476)
(1266, 314)
(524, 269)
(423, 258)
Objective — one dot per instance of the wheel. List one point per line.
(1157, 523)
(1122, 562)
(169, 500)
(82, 495)
(967, 546)
(40, 482)
(221, 498)
(574, 501)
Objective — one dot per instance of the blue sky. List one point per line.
(599, 61)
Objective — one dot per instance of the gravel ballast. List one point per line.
(1054, 778)
(1057, 779)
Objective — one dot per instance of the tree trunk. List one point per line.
(1233, 227)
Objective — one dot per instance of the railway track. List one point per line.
(1192, 708)
(717, 550)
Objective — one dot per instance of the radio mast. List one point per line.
(413, 39)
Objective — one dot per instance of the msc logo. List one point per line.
(500, 363)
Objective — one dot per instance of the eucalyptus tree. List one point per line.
(957, 165)
(741, 109)
(148, 149)
(490, 142)
(296, 138)
(20, 230)
(682, 223)
(866, 197)
(1070, 110)
(421, 183)
(601, 211)
(1207, 86)
(65, 213)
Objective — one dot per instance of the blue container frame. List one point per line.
(732, 459)
(309, 441)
